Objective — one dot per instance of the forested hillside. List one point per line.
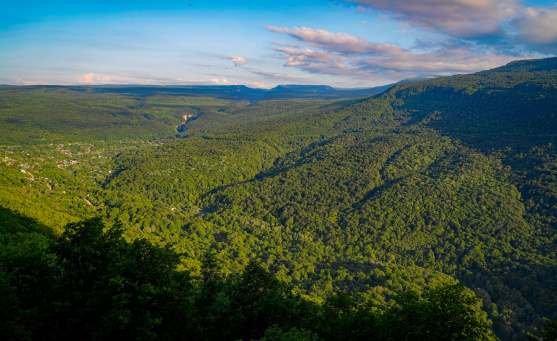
(428, 184)
(90, 284)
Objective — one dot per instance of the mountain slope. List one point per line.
(459, 180)
(431, 182)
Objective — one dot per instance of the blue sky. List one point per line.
(356, 43)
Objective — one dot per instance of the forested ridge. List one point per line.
(431, 183)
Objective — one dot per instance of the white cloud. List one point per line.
(258, 85)
(238, 61)
(222, 81)
(538, 26)
(506, 23)
(338, 42)
(347, 55)
(459, 18)
(93, 78)
(298, 57)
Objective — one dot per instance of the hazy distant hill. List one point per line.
(230, 92)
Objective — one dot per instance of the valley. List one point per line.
(427, 184)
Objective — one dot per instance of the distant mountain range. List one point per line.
(235, 92)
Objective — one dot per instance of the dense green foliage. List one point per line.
(426, 185)
(91, 284)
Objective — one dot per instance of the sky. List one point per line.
(261, 44)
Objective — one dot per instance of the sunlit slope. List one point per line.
(54, 114)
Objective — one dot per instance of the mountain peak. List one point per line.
(531, 65)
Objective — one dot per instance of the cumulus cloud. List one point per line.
(459, 18)
(538, 26)
(506, 23)
(238, 61)
(258, 85)
(93, 78)
(222, 81)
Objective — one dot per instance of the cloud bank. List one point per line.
(347, 55)
(506, 20)
(460, 18)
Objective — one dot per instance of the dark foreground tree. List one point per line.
(550, 332)
(254, 301)
(90, 284)
(109, 288)
(449, 313)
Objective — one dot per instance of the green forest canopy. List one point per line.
(424, 186)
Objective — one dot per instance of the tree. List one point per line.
(211, 285)
(550, 331)
(344, 319)
(294, 334)
(449, 313)
(258, 300)
(109, 288)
